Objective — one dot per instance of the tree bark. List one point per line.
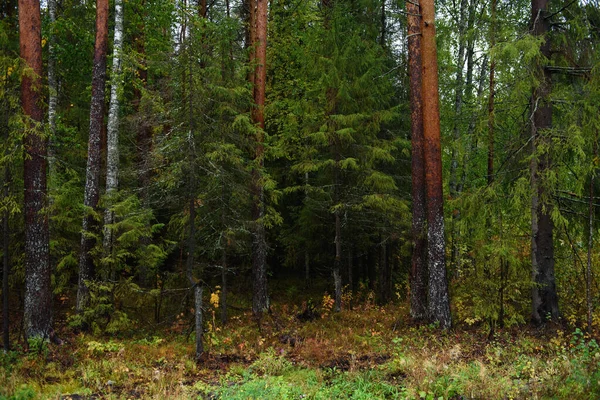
(438, 301)
(196, 285)
(418, 275)
(458, 97)
(5, 242)
(112, 139)
(224, 247)
(52, 86)
(92, 179)
(544, 297)
(337, 277)
(491, 112)
(588, 270)
(38, 292)
(260, 299)
(306, 254)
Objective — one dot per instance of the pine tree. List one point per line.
(38, 292)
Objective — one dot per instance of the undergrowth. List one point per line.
(370, 352)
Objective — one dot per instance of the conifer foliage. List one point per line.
(371, 150)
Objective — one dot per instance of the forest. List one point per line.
(288, 199)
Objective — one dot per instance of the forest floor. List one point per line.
(366, 352)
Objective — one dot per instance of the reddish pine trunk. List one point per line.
(544, 296)
(418, 276)
(258, 18)
(92, 178)
(438, 301)
(38, 293)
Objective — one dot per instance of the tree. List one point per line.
(418, 275)
(112, 136)
(544, 296)
(438, 301)
(52, 84)
(92, 177)
(260, 299)
(38, 292)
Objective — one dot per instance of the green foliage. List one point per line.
(104, 313)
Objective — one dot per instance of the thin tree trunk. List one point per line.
(383, 33)
(224, 246)
(92, 182)
(383, 275)
(418, 276)
(306, 254)
(196, 285)
(438, 301)
(588, 271)
(458, 97)
(38, 292)
(545, 298)
(351, 268)
(491, 114)
(5, 245)
(52, 86)
(337, 277)
(112, 140)
(260, 300)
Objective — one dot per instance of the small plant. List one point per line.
(270, 363)
(38, 346)
(97, 348)
(327, 305)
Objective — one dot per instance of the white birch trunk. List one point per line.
(112, 137)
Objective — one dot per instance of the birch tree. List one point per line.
(112, 137)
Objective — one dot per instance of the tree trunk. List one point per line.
(38, 292)
(5, 244)
(306, 254)
(196, 285)
(337, 277)
(224, 246)
(545, 298)
(260, 299)
(52, 86)
(438, 301)
(92, 179)
(418, 275)
(112, 139)
(198, 317)
(588, 271)
(491, 114)
(383, 275)
(458, 97)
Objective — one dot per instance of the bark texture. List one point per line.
(52, 86)
(112, 136)
(418, 275)
(588, 269)
(92, 177)
(438, 301)
(491, 112)
(544, 296)
(38, 293)
(5, 241)
(260, 299)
